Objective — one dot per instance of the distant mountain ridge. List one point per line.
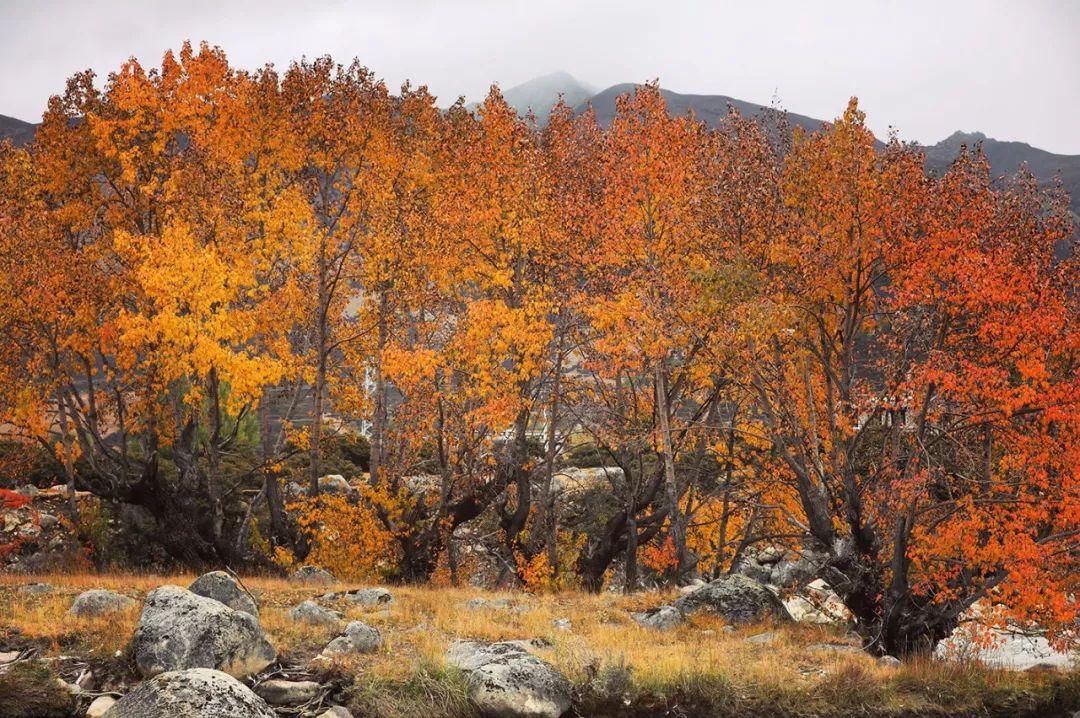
(540, 94)
(17, 131)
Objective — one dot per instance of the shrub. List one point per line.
(30, 690)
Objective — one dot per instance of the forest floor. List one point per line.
(618, 668)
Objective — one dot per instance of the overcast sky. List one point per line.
(1008, 69)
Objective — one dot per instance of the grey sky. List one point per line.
(1008, 69)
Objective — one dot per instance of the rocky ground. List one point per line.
(216, 646)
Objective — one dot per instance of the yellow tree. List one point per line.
(644, 284)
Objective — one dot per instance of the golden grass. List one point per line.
(605, 653)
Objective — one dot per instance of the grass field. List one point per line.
(618, 668)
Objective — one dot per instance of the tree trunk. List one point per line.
(69, 467)
(378, 419)
(675, 515)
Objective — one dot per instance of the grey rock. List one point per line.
(9, 656)
(480, 604)
(311, 612)
(180, 630)
(100, 706)
(336, 712)
(99, 602)
(890, 661)
(782, 568)
(359, 638)
(762, 639)
(193, 693)
(361, 596)
(287, 693)
(312, 575)
(563, 624)
(222, 587)
(736, 599)
(47, 521)
(334, 484)
(36, 589)
(506, 681)
(662, 618)
(835, 647)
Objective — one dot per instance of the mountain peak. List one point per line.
(964, 138)
(541, 93)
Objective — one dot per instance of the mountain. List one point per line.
(18, 131)
(1006, 157)
(711, 109)
(541, 93)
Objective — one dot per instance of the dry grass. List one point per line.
(618, 667)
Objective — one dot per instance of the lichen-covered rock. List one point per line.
(336, 712)
(736, 599)
(359, 638)
(180, 630)
(287, 693)
(192, 693)
(480, 604)
(222, 587)
(781, 567)
(312, 575)
(506, 681)
(361, 596)
(662, 618)
(334, 484)
(99, 602)
(313, 613)
(100, 706)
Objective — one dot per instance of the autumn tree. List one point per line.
(889, 373)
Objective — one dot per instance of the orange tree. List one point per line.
(917, 379)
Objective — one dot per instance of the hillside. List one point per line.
(17, 131)
(541, 93)
(712, 109)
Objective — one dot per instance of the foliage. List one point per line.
(346, 539)
(798, 338)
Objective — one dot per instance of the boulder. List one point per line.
(506, 681)
(36, 589)
(313, 613)
(99, 602)
(781, 568)
(100, 706)
(179, 630)
(480, 604)
(334, 484)
(762, 639)
(222, 587)
(662, 618)
(287, 693)
(736, 599)
(817, 603)
(192, 693)
(312, 575)
(336, 712)
(361, 596)
(359, 638)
